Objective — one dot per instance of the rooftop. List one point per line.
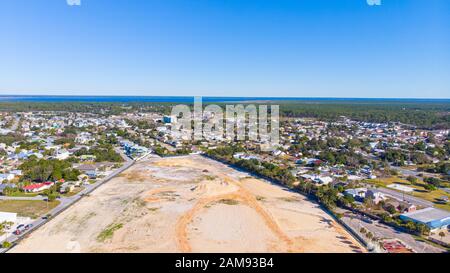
(37, 185)
(428, 215)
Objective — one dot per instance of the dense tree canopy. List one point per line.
(47, 170)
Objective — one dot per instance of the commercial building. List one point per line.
(169, 119)
(434, 218)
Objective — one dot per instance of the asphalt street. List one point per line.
(65, 202)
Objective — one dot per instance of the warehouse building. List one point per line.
(434, 218)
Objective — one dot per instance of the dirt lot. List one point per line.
(190, 204)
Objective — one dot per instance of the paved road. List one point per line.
(401, 196)
(165, 145)
(66, 202)
(403, 171)
(386, 232)
(15, 124)
(34, 198)
(406, 172)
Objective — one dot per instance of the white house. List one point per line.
(62, 154)
(8, 217)
(376, 196)
(66, 187)
(16, 172)
(6, 176)
(84, 138)
(323, 180)
(319, 180)
(358, 194)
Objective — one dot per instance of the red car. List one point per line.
(19, 229)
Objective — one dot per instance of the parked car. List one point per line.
(27, 227)
(19, 229)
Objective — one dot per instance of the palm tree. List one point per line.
(363, 230)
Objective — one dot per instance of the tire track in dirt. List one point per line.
(240, 195)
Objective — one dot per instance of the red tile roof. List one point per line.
(37, 185)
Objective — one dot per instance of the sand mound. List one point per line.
(208, 188)
(176, 162)
(187, 204)
(160, 194)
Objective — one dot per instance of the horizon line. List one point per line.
(231, 97)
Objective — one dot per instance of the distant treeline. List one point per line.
(423, 114)
(102, 108)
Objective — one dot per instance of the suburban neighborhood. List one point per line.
(387, 174)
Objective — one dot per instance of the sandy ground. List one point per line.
(190, 204)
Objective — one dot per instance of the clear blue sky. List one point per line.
(299, 48)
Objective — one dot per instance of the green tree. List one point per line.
(391, 209)
(412, 179)
(422, 229)
(6, 244)
(363, 230)
(410, 225)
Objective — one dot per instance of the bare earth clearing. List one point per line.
(190, 204)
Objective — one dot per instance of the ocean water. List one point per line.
(190, 99)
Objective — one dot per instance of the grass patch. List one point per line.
(260, 198)
(74, 192)
(108, 232)
(229, 202)
(443, 206)
(139, 202)
(289, 199)
(28, 208)
(23, 194)
(210, 177)
(384, 182)
(420, 192)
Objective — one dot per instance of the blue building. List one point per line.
(169, 119)
(434, 218)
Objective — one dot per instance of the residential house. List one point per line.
(4, 186)
(6, 176)
(358, 194)
(66, 188)
(62, 154)
(376, 196)
(38, 187)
